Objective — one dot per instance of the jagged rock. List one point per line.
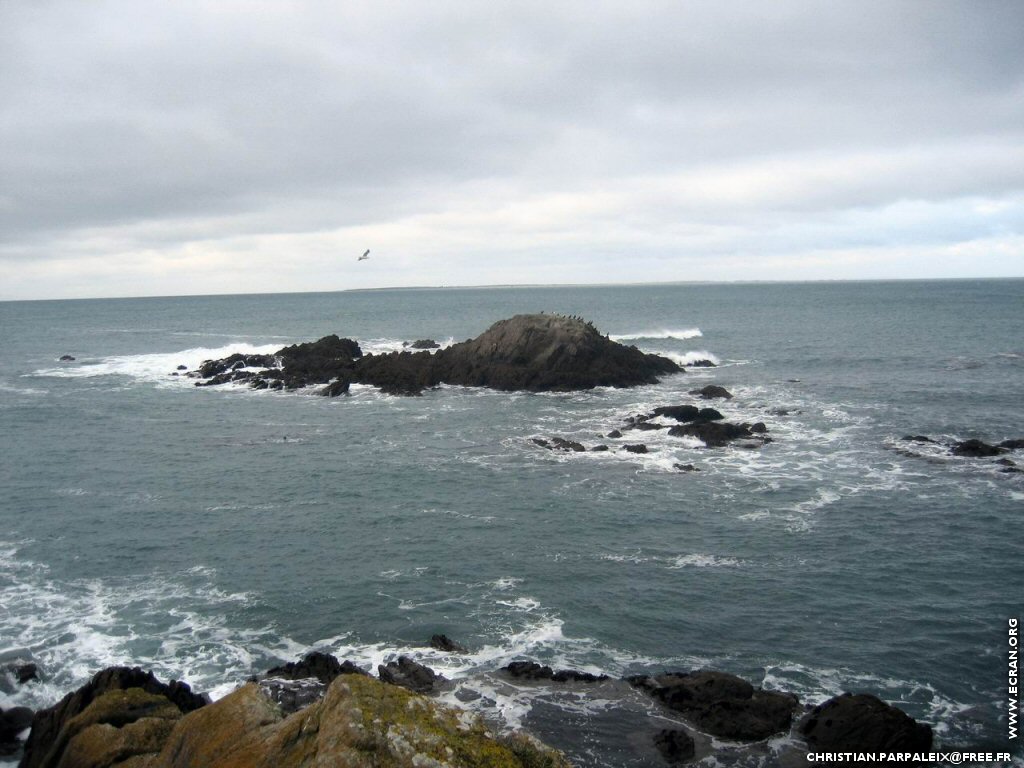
(446, 644)
(323, 666)
(712, 391)
(702, 363)
(636, 448)
(291, 695)
(917, 439)
(407, 673)
(425, 344)
(1012, 445)
(648, 426)
(722, 705)
(47, 724)
(686, 467)
(359, 723)
(541, 442)
(531, 670)
(863, 723)
(714, 434)
(22, 671)
(678, 412)
(67, 359)
(561, 444)
(335, 388)
(674, 745)
(975, 448)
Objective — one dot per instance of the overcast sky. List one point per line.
(156, 148)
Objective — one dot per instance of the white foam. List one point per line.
(661, 333)
(157, 367)
(699, 560)
(689, 358)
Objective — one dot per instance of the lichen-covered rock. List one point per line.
(116, 726)
(359, 723)
(49, 724)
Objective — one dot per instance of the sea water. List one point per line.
(211, 533)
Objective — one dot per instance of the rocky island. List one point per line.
(532, 353)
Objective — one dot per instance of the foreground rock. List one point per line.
(12, 722)
(722, 705)
(102, 709)
(359, 723)
(863, 723)
(534, 353)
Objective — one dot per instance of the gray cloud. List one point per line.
(154, 128)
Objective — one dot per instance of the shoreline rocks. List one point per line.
(320, 709)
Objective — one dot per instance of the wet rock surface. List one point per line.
(863, 723)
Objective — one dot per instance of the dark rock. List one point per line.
(709, 414)
(409, 674)
(614, 434)
(323, 666)
(917, 439)
(779, 412)
(599, 448)
(25, 672)
(1012, 445)
(542, 353)
(759, 428)
(561, 444)
(67, 359)
(182, 367)
(636, 448)
(1012, 471)
(976, 449)
(712, 391)
(674, 745)
(714, 434)
(701, 364)
(575, 676)
(863, 723)
(446, 644)
(678, 412)
(48, 723)
(425, 344)
(647, 426)
(529, 670)
(1006, 462)
(335, 388)
(541, 442)
(12, 722)
(260, 383)
(722, 705)
(686, 467)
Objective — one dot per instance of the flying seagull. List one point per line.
(365, 255)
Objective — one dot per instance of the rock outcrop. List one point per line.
(722, 705)
(535, 353)
(863, 723)
(359, 722)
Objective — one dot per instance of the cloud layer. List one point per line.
(193, 147)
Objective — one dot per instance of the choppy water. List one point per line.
(209, 533)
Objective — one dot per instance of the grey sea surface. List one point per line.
(211, 533)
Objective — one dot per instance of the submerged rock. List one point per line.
(716, 434)
(712, 391)
(531, 670)
(446, 644)
(675, 746)
(1012, 445)
(722, 705)
(67, 359)
(863, 723)
(976, 448)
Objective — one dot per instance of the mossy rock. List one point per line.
(359, 723)
(114, 728)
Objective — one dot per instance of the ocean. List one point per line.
(211, 533)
